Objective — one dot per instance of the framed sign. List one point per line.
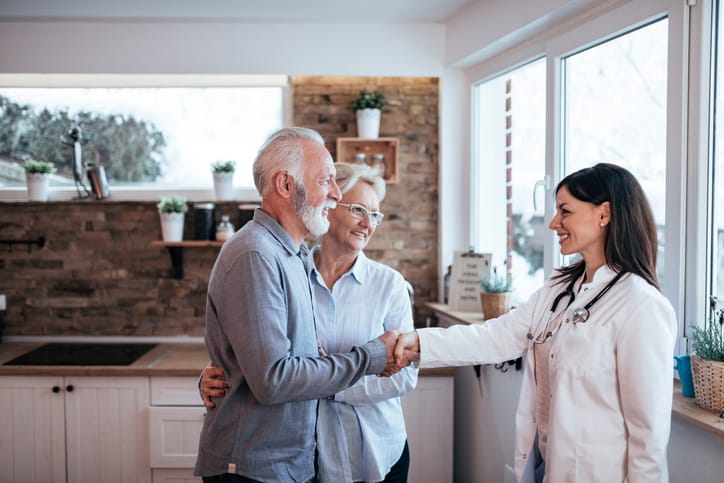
(467, 270)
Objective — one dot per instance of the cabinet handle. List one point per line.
(69, 388)
(56, 389)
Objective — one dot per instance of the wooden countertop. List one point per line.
(684, 408)
(166, 359)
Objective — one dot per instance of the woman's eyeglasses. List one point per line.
(360, 212)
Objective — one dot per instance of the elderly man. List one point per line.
(260, 324)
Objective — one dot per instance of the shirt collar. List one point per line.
(359, 270)
(278, 232)
(602, 275)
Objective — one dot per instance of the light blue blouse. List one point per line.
(363, 427)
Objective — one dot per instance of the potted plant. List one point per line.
(37, 176)
(707, 362)
(172, 210)
(495, 292)
(223, 172)
(368, 105)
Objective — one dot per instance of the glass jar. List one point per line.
(359, 158)
(378, 164)
(225, 229)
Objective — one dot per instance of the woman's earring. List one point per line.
(603, 224)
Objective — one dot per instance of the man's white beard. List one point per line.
(312, 216)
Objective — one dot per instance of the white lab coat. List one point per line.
(611, 378)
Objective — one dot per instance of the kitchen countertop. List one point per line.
(166, 359)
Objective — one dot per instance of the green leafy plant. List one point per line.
(223, 167)
(708, 342)
(34, 166)
(172, 204)
(496, 283)
(368, 100)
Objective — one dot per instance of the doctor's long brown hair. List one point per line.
(631, 242)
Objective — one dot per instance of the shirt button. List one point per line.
(524, 456)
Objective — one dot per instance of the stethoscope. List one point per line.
(580, 314)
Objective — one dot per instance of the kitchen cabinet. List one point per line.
(177, 414)
(74, 429)
(175, 419)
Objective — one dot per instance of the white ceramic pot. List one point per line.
(368, 123)
(37, 184)
(172, 226)
(224, 186)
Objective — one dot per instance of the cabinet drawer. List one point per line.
(175, 391)
(174, 436)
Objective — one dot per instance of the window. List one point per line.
(158, 133)
(716, 175)
(508, 216)
(615, 111)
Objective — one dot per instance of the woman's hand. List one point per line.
(212, 384)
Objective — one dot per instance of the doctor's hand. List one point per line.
(407, 349)
(212, 384)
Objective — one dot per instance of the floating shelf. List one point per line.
(176, 251)
(347, 148)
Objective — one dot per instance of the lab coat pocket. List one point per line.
(601, 463)
(588, 349)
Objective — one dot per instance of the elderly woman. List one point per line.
(361, 432)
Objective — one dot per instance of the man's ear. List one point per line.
(283, 184)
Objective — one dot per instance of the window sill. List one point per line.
(686, 409)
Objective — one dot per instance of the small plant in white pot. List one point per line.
(172, 210)
(223, 172)
(368, 106)
(37, 176)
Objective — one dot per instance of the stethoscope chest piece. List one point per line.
(580, 314)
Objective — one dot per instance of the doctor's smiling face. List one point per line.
(580, 226)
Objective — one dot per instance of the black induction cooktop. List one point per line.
(82, 354)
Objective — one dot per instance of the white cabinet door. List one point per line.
(175, 476)
(429, 421)
(174, 436)
(32, 429)
(107, 431)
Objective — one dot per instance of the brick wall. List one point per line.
(99, 275)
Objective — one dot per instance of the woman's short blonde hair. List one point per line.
(349, 175)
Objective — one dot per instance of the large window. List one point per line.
(716, 175)
(159, 136)
(508, 216)
(615, 111)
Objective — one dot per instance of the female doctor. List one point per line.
(595, 402)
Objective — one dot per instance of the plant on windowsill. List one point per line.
(172, 210)
(368, 106)
(707, 361)
(495, 294)
(37, 177)
(223, 172)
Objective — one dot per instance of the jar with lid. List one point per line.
(378, 164)
(359, 158)
(204, 221)
(225, 229)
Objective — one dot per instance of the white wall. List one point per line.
(222, 47)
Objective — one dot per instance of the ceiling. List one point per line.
(271, 11)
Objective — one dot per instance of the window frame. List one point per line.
(687, 137)
(153, 192)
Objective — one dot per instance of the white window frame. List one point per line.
(687, 145)
(153, 192)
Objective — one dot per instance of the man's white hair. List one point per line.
(282, 151)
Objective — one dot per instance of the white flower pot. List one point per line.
(224, 186)
(37, 184)
(368, 123)
(172, 226)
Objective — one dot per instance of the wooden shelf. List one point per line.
(347, 148)
(176, 251)
(187, 243)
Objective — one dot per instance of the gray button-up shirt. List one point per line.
(260, 329)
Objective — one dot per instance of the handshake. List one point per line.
(402, 349)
